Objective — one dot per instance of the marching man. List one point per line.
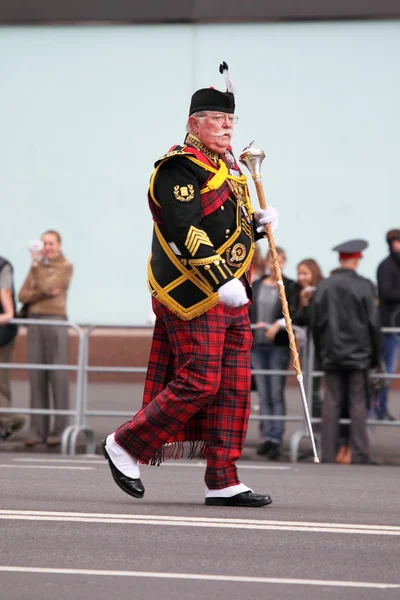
(197, 388)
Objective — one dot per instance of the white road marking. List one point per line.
(76, 461)
(101, 461)
(202, 577)
(46, 467)
(255, 524)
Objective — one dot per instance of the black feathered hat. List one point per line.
(212, 99)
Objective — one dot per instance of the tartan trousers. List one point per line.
(202, 371)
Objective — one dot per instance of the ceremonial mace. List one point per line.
(252, 159)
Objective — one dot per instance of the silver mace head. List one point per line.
(252, 159)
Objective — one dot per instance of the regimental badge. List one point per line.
(236, 254)
(238, 190)
(184, 193)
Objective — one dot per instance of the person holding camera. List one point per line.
(44, 293)
(9, 423)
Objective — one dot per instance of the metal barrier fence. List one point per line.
(46, 367)
(82, 369)
(70, 440)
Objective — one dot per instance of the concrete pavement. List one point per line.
(68, 531)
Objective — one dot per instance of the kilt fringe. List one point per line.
(176, 450)
(198, 449)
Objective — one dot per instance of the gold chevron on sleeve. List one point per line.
(195, 238)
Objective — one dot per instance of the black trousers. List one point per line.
(345, 388)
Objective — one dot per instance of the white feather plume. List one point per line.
(224, 70)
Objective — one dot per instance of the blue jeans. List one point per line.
(271, 388)
(391, 346)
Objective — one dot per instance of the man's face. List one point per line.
(215, 130)
(52, 246)
(395, 245)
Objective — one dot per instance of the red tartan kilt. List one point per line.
(162, 364)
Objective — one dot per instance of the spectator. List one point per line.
(258, 265)
(389, 307)
(9, 423)
(45, 293)
(270, 351)
(309, 275)
(346, 330)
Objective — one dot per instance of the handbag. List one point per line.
(7, 333)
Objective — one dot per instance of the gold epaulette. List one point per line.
(180, 151)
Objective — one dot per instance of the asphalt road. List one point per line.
(68, 532)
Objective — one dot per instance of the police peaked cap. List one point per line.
(212, 99)
(351, 247)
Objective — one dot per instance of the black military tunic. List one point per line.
(203, 229)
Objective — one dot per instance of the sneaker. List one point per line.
(5, 432)
(8, 429)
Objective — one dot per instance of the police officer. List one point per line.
(346, 331)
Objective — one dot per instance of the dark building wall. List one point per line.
(158, 11)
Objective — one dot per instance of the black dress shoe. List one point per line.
(244, 499)
(365, 460)
(274, 452)
(133, 487)
(387, 417)
(264, 448)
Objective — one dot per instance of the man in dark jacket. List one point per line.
(9, 423)
(389, 307)
(346, 331)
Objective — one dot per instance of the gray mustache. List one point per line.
(226, 132)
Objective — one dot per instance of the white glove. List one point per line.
(233, 293)
(264, 216)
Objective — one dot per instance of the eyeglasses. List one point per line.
(220, 118)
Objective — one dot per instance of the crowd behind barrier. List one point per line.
(81, 412)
